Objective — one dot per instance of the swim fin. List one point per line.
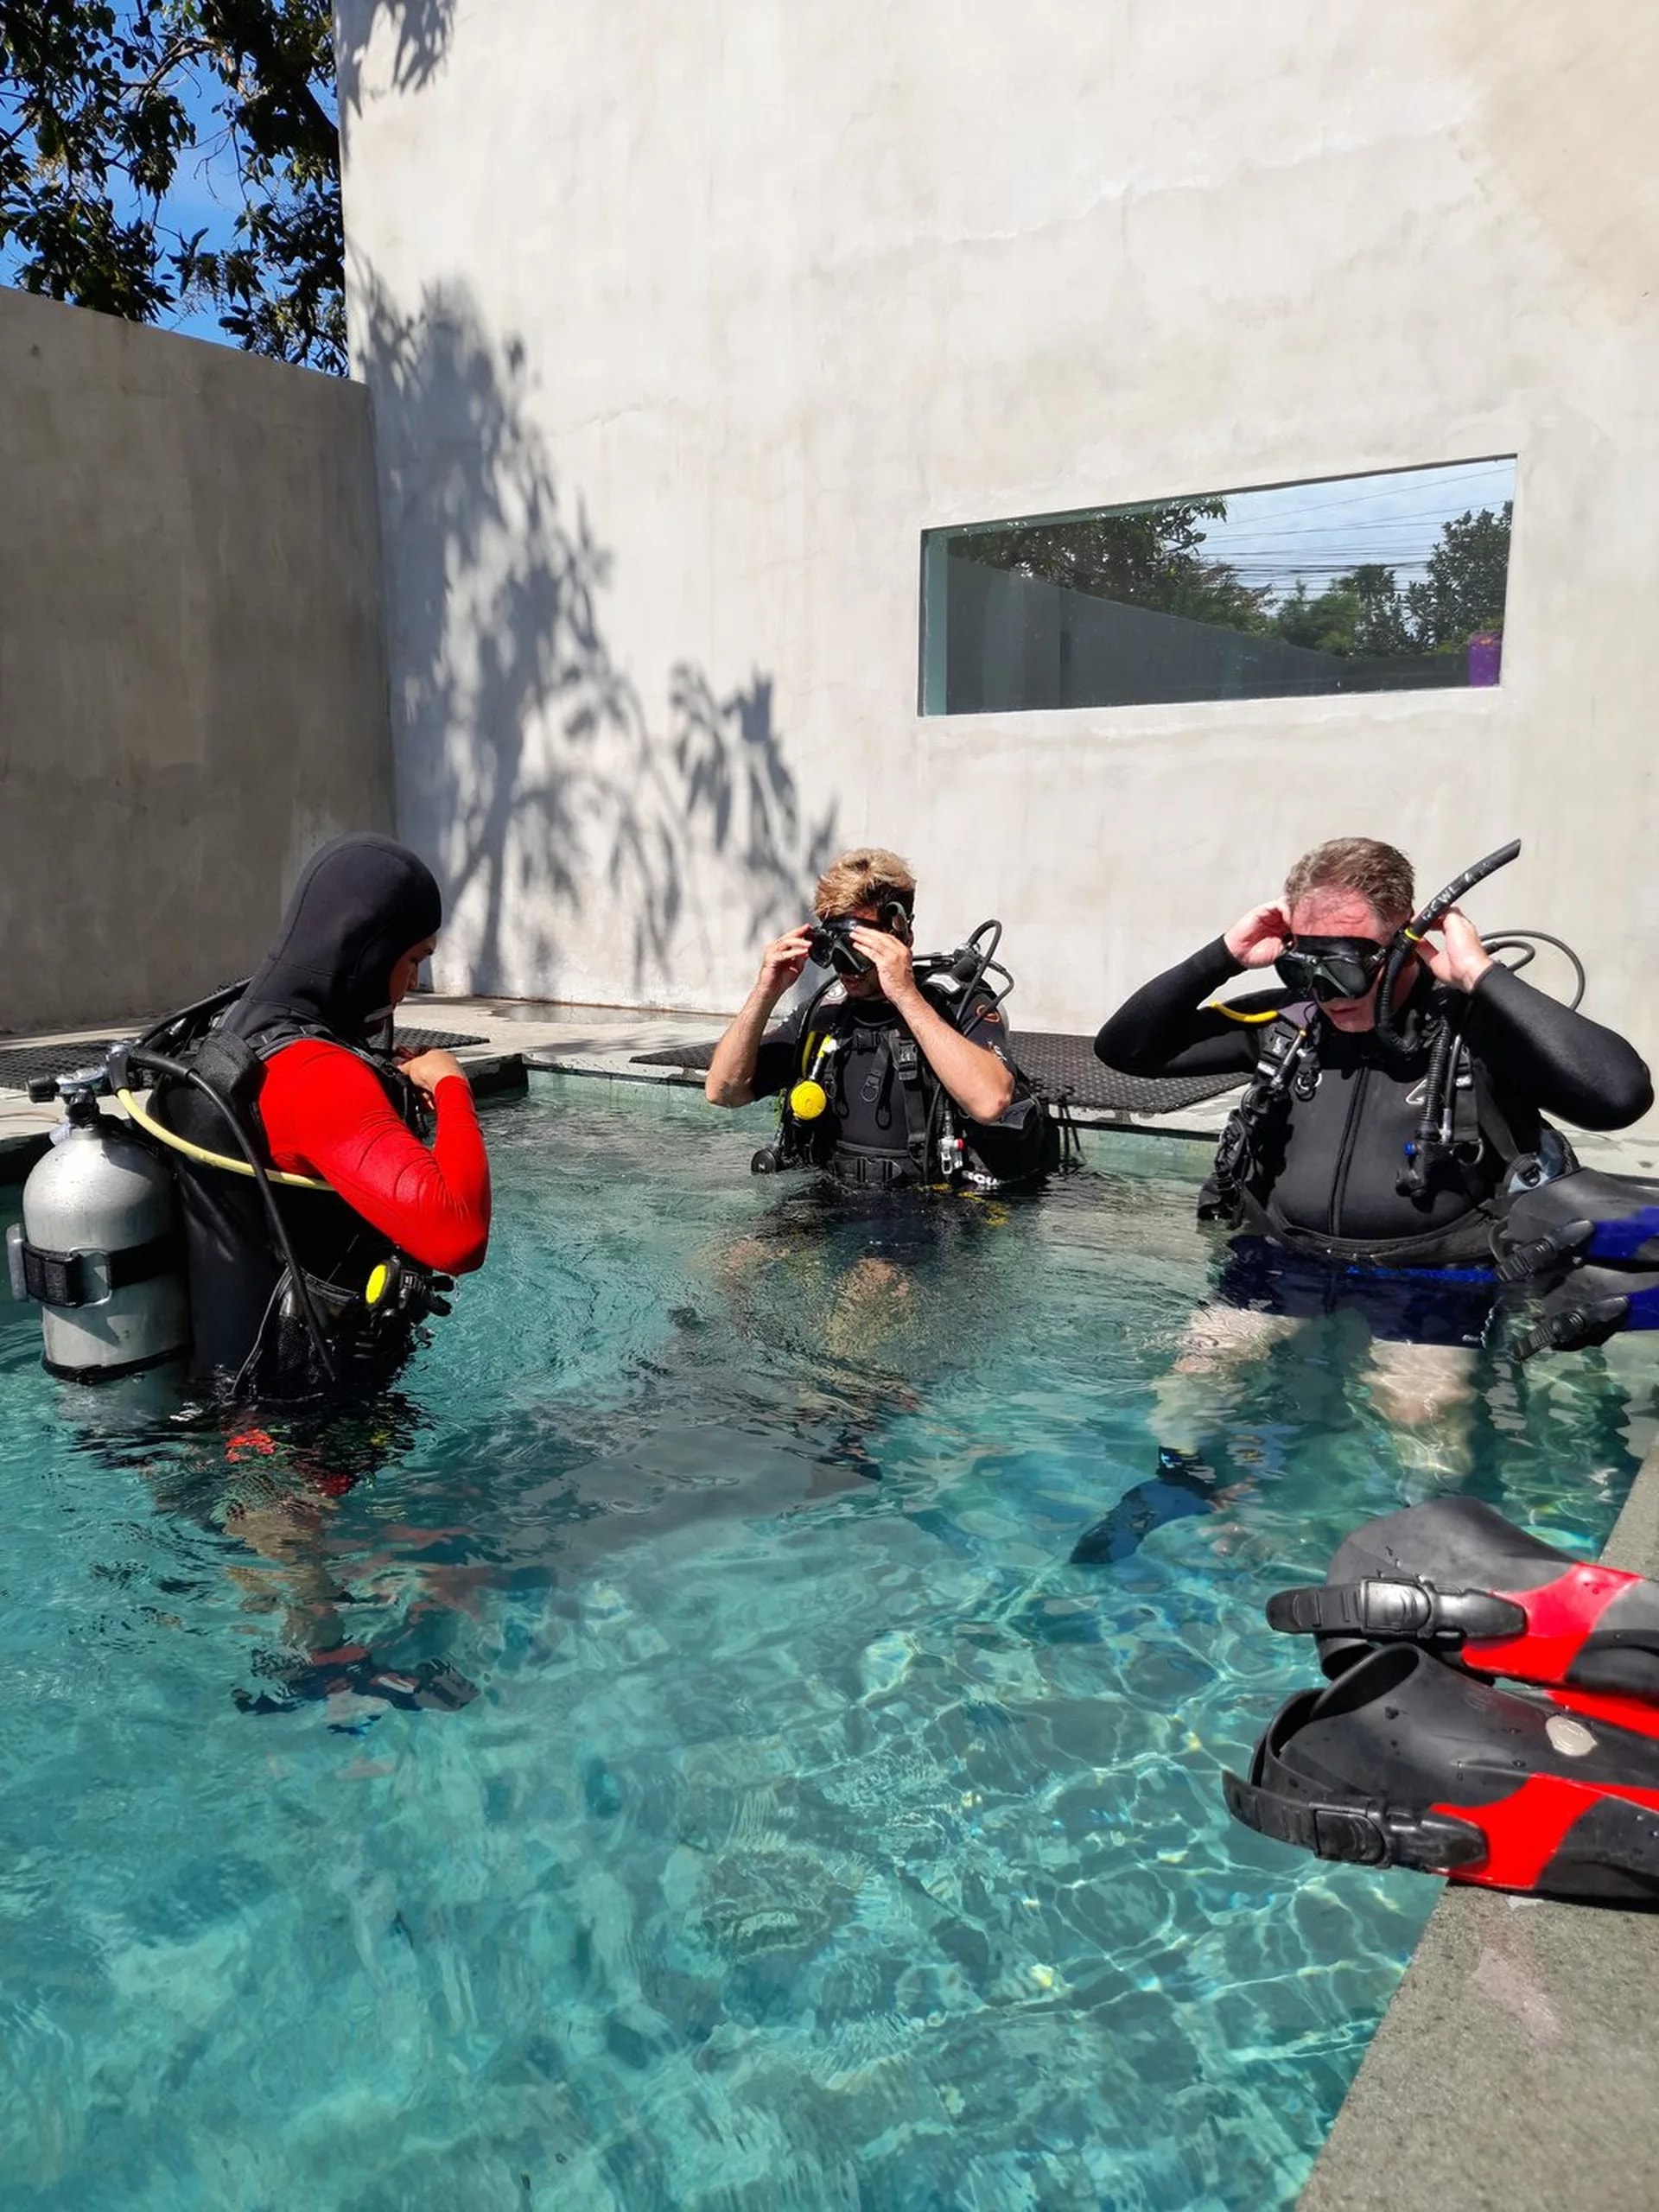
(1590, 1305)
(1404, 1761)
(1183, 1486)
(1590, 1244)
(1612, 1219)
(1454, 1576)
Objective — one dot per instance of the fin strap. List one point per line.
(1359, 1835)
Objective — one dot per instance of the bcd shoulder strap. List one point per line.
(1286, 1066)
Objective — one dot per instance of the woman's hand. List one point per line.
(428, 1070)
(1460, 958)
(1256, 939)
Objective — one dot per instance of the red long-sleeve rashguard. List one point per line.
(327, 1114)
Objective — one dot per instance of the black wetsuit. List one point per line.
(1325, 1181)
(887, 1111)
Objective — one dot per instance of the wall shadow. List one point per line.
(554, 805)
(421, 31)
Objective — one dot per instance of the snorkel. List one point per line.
(1433, 1139)
(1408, 939)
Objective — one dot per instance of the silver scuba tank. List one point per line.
(99, 1248)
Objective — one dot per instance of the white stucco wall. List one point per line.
(684, 319)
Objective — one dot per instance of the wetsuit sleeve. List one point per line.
(1535, 1049)
(1165, 1030)
(326, 1114)
(982, 1025)
(776, 1062)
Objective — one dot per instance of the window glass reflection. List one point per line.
(1373, 583)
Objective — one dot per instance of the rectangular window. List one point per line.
(1390, 583)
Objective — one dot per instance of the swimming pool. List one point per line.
(816, 1837)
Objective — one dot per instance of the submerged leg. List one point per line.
(1195, 1396)
(1427, 1393)
(1194, 1399)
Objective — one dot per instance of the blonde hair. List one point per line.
(1378, 873)
(868, 876)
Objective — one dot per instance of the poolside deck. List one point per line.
(517, 1035)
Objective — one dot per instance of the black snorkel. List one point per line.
(1433, 1139)
(1408, 939)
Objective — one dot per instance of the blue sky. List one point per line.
(1312, 532)
(206, 195)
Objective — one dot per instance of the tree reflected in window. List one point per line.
(1386, 583)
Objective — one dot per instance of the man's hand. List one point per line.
(890, 957)
(782, 963)
(730, 1079)
(426, 1071)
(1460, 958)
(1257, 938)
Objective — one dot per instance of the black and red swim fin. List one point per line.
(1404, 1761)
(1458, 1578)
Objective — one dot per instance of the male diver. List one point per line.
(890, 1077)
(382, 1186)
(1326, 1173)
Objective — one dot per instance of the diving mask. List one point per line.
(831, 944)
(1332, 966)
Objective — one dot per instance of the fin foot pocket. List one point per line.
(1183, 1486)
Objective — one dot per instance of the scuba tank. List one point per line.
(103, 1246)
(99, 1248)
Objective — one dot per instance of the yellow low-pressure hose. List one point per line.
(1232, 1014)
(152, 1128)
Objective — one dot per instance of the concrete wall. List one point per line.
(683, 320)
(193, 688)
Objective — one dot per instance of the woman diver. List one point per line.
(313, 1279)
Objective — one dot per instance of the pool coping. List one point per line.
(552, 1037)
(1516, 2068)
(566, 1037)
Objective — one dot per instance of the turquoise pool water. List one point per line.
(817, 1837)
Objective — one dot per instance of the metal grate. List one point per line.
(436, 1040)
(22, 1065)
(1059, 1066)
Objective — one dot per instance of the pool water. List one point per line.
(816, 1837)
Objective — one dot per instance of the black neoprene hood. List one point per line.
(362, 903)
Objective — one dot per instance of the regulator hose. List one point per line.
(152, 1128)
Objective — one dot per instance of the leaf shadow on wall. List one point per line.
(421, 30)
(530, 769)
